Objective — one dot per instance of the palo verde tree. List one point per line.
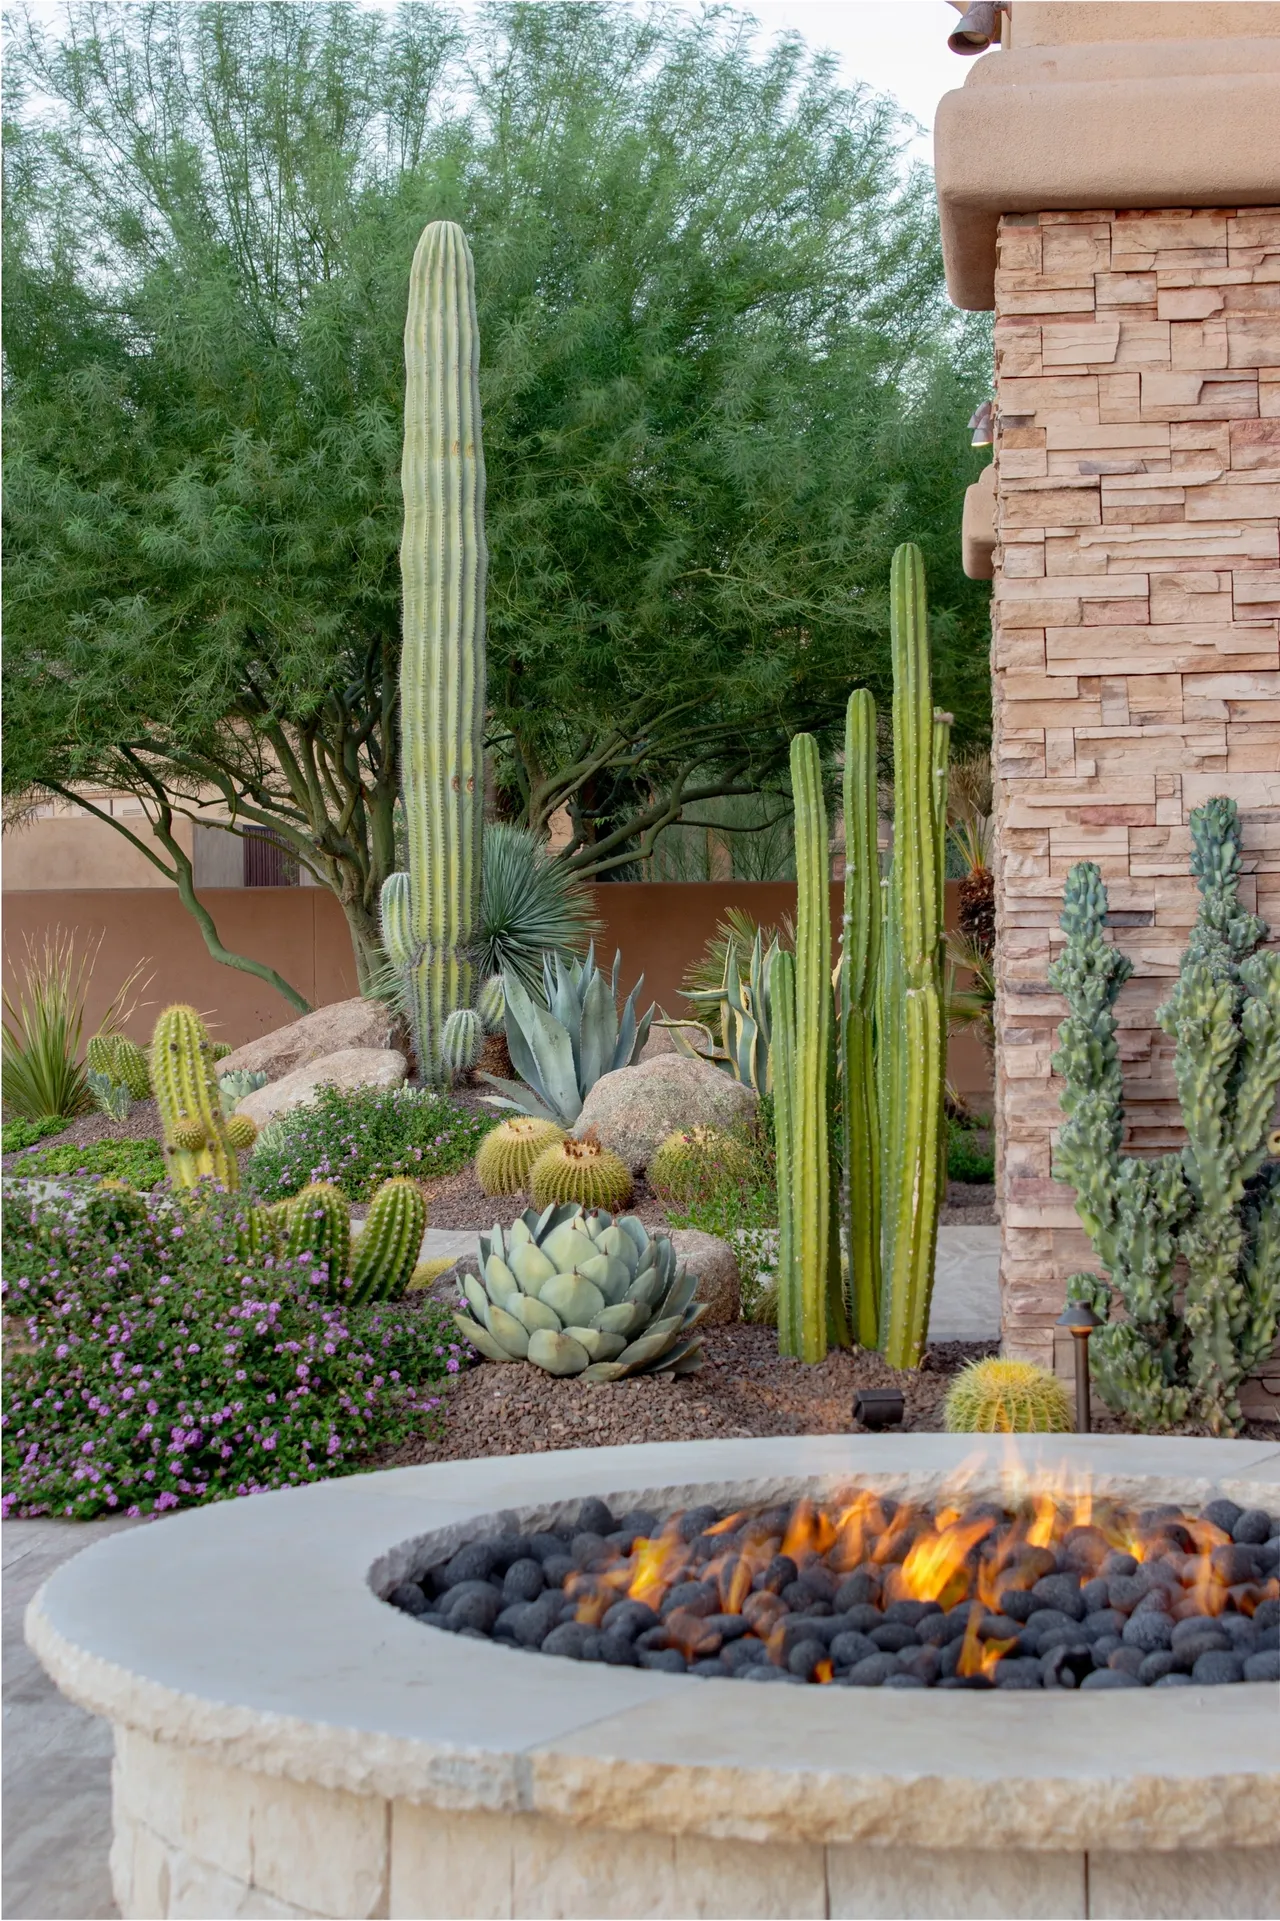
(720, 382)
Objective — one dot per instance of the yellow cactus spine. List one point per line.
(507, 1153)
(1007, 1397)
(198, 1142)
(581, 1171)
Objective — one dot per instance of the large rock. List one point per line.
(716, 1266)
(349, 1067)
(635, 1108)
(329, 1030)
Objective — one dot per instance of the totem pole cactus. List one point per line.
(199, 1140)
(782, 1067)
(1185, 1345)
(863, 911)
(430, 914)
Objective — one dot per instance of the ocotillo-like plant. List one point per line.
(430, 915)
(912, 1038)
(863, 911)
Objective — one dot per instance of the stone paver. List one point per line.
(57, 1758)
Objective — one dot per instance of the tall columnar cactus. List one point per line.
(913, 1038)
(863, 910)
(199, 1140)
(1185, 1345)
(782, 1051)
(430, 914)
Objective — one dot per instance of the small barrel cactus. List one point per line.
(1007, 1397)
(684, 1161)
(461, 1040)
(583, 1171)
(579, 1292)
(320, 1225)
(386, 1252)
(506, 1155)
(199, 1139)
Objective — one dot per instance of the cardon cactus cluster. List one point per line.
(1007, 1397)
(505, 1157)
(199, 1139)
(1190, 1241)
(430, 914)
(379, 1258)
(584, 1171)
(583, 1293)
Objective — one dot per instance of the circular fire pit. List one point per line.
(287, 1743)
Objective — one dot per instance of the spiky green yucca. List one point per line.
(1007, 1397)
(199, 1140)
(684, 1160)
(387, 1251)
(582, 1171)
(505, 1157)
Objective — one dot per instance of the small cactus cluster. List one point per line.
(199, 1139)
(232, 1088)
(380, 1257)
(1007, 1397)
(117, 1073)
(505, 1157)
(685, 1160)
(583, 1171)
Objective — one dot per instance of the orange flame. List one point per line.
(809, 1531)
(979, 1657)
(823, 1672)
(935, 1568)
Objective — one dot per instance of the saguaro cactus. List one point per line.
(863, 910)
(199, 1139)
(912, 999)
(430, 914)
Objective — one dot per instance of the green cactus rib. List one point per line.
(917, 1069)
(387, 1250)
(782, 995)
(184, 1077)
(810, 1164)
(859, 967)
(320, 1225)
(1007, 1397)
(430, 917)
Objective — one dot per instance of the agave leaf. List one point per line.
(518, 1235)
(568, 1245)
(603, 1371)
(598, 1222)
(532, 1269)
(481, 1337)
(575, 1300)
(681, 1292)
(550, 1061)
(478, 1298)
(647, 1288)
(518, 1097)
(566, 1010)
(635, 1231)
(486, 1249)
(685, 1358)
(599, 1033)
(498, 1279)
(509, 1332)
(696, 1313)
(612, 1277)
(557, 1215)
(600, 1346)
(628, 1317)
(533, 1313)
(649, 1346)
(557, 1353)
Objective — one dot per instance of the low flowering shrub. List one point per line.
(150, 1367)
(360, 1137)
(19, 1134)
(139, 1162)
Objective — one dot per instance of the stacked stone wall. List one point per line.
(1136, 642)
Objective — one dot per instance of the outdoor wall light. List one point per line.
(877, 1407)
(979, 27)
(983, 424)
(1080, 1320)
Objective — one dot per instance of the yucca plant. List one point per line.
(738, 930)
(530, 905)
(42, 1074)
(972, 1006)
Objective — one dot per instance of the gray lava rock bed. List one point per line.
(715, 1595)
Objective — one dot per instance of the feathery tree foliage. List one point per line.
(720, 383)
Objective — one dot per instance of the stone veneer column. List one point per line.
(1136, 659)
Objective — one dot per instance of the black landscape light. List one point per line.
(877, 1407)
(1080, 1320)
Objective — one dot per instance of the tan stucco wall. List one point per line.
(1060, 23)
(68, 849)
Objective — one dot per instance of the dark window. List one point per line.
(267, 861)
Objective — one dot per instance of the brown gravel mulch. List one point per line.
(744, 1389)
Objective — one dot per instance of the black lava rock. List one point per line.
(905, 1680)
(1066, 1667)
(1124, 1591)
(924, 1663)
(628, 1617)
(804, 1657)
(998, 1627)
(543, 1546)
(1233, 1564)
(1174, 1680)
(475, 1562)
(1110, 1678)
(1019, 1604)
(557, 1568)
(478, 1609)
(1266, 1614)
(452, 1596)
(871, 1673)
(1104, 1647)
(854, 1591)
(409, 1598)
(589, 1551)
(848, 1648)
(1117, 1563)
(739, 1655)
(664, 1660)
(1084, 1548)
(1263, 1666)
(1047, 1622)
(694, 1597)
(1103, 1621)
(1240, 1631)
(975, 1683)
(1194, 1625)
(523, 1581)
(535, 1620)
(779, 1574)
(938, 1629)
(819, 1580)
(1155, 1666)
(641, 1523)
(1222, 1513)
(707, 1668)
(894, 1635)
(1253, 1527)
(911, 1613)
(728, 1626)
(1187, 1653)
(650, 1638)
(618, 1651)
(1217, 1669)
(1268, 1556)
(1094, 1596)
(1126, 1660)
(595, 1518)
(862, 1618)
(1148, 1632)
(1062, 1593)
(508, 1548)
(1017, 1672)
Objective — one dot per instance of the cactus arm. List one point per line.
(858, 972)
(782, 989)
(184, 1077)
(811, 1171)
(443, 562)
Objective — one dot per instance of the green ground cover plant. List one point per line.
(969, 1156)
(137, 1162)
(726, 1193)
(362, 1137)
(20, 1134)
(160, 1370)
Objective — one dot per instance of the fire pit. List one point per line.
(1042, 1588)
(288, 1742)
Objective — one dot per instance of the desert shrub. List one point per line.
(139, 1162)
(721, 1191)
(15, 1136)
(360, 1137)
(159, 1370)
(969, 1157)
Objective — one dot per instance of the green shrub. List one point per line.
(968, 1158)
(722, 1193)
(160, 1370)
(361, 1137)
(17, 1135)
(139, 1163)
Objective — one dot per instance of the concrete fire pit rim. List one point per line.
(249, 1632)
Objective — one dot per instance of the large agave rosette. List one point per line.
(583, 1293)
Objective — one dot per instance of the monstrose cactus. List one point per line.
(430, 914)
(1189, 1335)
(199, 1139)
(1007, 1397)
(582, 1293)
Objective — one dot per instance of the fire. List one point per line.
(936, 1565)
(979, 1657)
(823, 1672)
(810, 1531)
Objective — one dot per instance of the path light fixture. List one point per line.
(979, 27)
(879, 1407)
(1080, 1320)
(982, 422)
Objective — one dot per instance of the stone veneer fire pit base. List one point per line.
(288, 1745)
